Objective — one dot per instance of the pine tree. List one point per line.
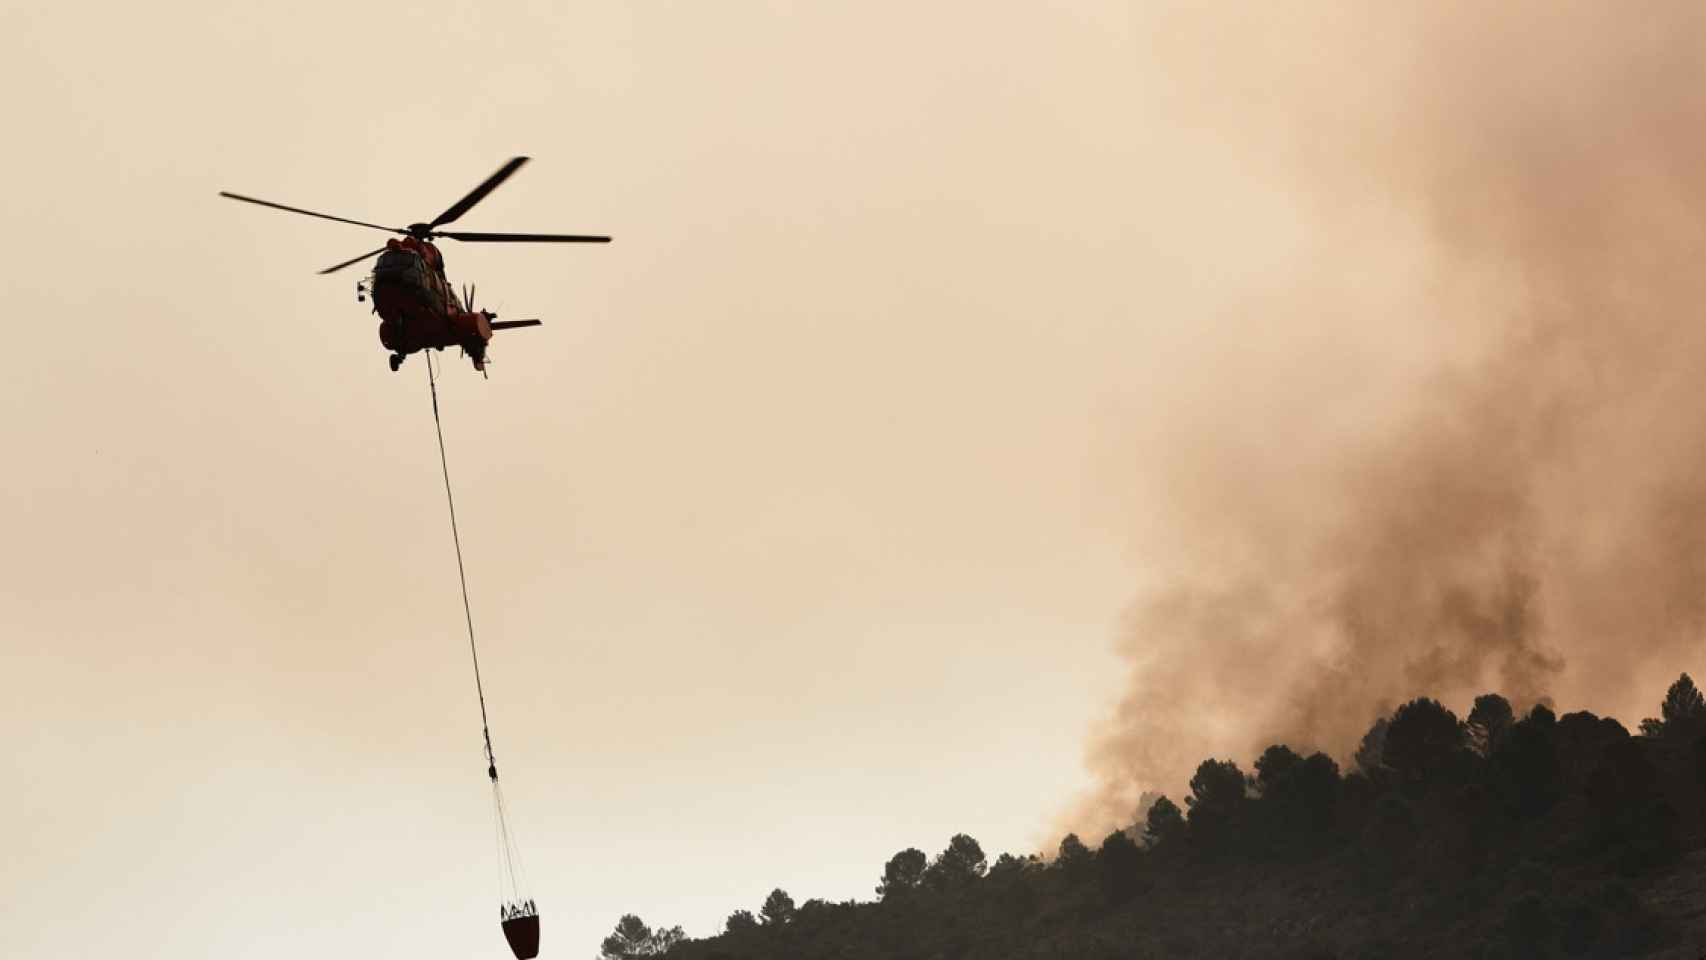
(778, 907)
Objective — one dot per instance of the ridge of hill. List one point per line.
(1492, 837)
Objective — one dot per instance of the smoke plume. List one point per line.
(1527, 513)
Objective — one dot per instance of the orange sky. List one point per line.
(809, 526)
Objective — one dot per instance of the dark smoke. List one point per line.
(1532, 518)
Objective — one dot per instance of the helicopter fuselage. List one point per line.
(417, 308)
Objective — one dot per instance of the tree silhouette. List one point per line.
(1298, 797)
(1120, 860)
(1315, 789)
(1008, 865)
(632, 938)
(903, 872)
(1275, 764)
(1216, 803)
(1683, 702)
(663, 941)
(1276, 771)
(740, 920)
(1526, 770)
(961, 863)
(1370, 757)
(1073, 856)
(968, 854)
(1683, 711)
(1216, 788)
(1489, 720)
(1423, 741)
(778, 907)
(1164, 823)
(812, 910)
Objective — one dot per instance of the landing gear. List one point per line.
(396, 361)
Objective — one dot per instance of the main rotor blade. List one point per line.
(479, 193)
(336, 267)
(323, 216)
(524, 237)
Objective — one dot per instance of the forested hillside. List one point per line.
(1491, 836)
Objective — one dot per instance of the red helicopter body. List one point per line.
(419, 311)
(417, 308)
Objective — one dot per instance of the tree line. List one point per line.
(1522, 830)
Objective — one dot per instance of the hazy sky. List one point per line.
(815, 522)
(788, 534)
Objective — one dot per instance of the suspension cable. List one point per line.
(461, 573)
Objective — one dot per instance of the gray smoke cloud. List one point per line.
(1527, 513)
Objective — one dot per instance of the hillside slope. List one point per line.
(1494, 837)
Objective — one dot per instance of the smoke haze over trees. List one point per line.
(1450, 447)
(1450, 444)
(1457, 449)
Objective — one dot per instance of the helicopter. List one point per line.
(417, 308)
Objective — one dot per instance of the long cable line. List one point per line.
(461, 574)
(509, 857)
